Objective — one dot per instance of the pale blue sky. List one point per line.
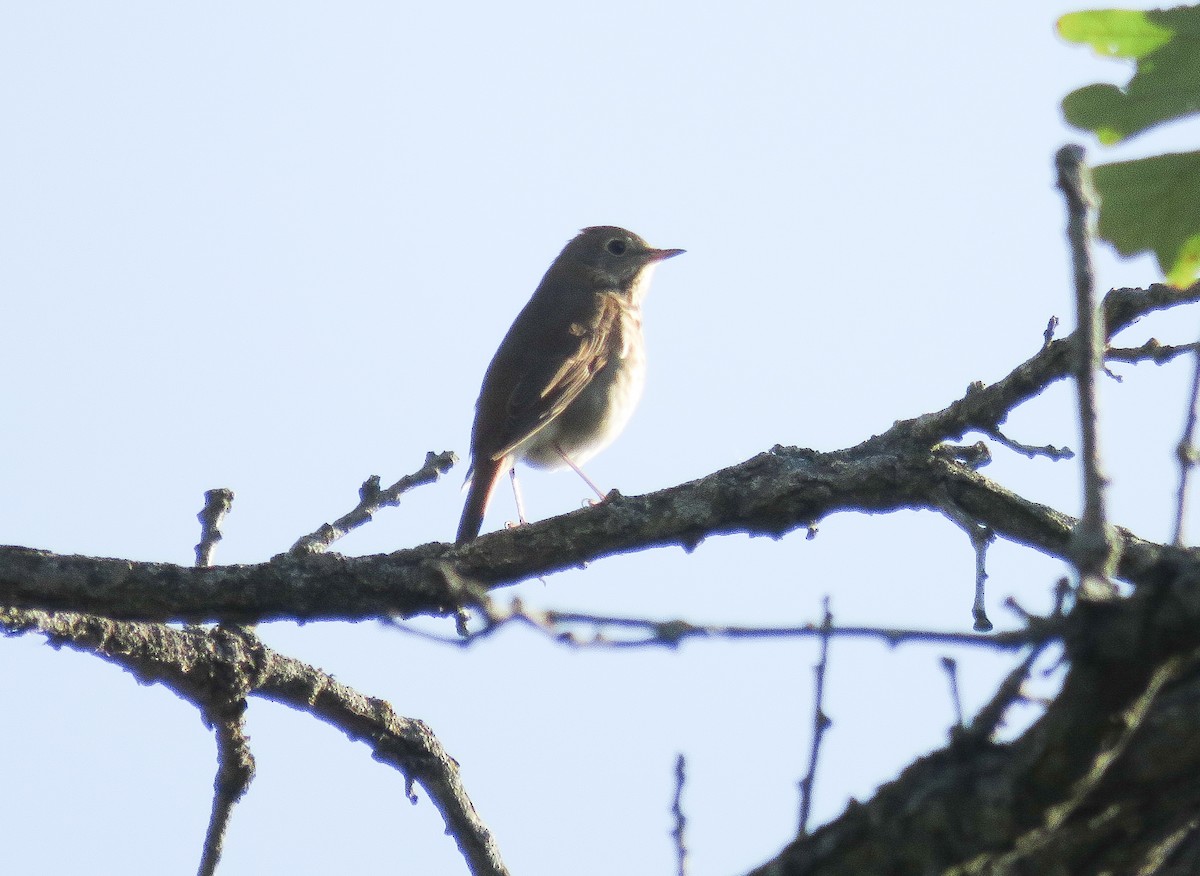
(272, 247)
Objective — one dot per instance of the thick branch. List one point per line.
(770, 494)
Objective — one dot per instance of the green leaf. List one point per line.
(1153, 205)
(1120, 33)
(1166, 84)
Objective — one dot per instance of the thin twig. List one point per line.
(647, 633)
(235, 771)
(1048, 334)
(216, 505)
(372, 498)
(1186, 452)
(981, 536)
(989, 717)
(821, 721)
(223, 704)
(950, 667)
(1030, 450)
(1094, 552)
(1151, 351)
(679, 833)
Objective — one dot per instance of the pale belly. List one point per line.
(597, 415)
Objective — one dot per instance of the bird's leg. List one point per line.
(512, 474)
(578, 471)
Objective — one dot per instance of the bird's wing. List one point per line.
(556, 373)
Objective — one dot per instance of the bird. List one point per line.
(567, 376)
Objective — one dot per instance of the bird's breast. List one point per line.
(603, 408)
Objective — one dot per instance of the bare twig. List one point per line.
(646, 633)
(981, 536)
(1150, 351)
(1029, 450)
(216, 505)
(679, 832)
(223, 705)
(1094, 551)
(990, 716)
(821, 721)
(235, 771)
(950, 667)
(371, 499)
(1186, 452)
(1048, 334)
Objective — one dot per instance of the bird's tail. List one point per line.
(483, 480)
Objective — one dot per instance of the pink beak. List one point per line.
(659, 254)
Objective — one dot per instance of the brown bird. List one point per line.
(570, 371)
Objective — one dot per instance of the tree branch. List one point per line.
(216, 505)
(1094, 550)
(371, 498)
(770, 494)
(820, 723)
(197, 664)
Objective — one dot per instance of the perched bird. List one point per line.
(570, 371)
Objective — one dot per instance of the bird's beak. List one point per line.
(657, 255)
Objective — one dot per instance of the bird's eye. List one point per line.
(616, 247)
